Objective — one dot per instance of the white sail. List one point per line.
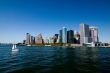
(13, 46)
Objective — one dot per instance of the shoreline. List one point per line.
(64, 45)
(73, 46)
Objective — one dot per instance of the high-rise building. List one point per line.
(94, 34)
(51, 40)
(76, 38)
(55, 38)
(24, 41)
(32, 40)
(58, 39)
(56, 35)
(84, 34)
(46, 40)
(60, 36)
(70, 37)
(64, 35)
(39, 39)
(28, 36)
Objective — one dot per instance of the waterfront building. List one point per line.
(56, 35)
(64, 35)
(60, 36)
(32, 40)
(70, 37)
(46, 40)
(84, 34)
(51, 40)
(76, 38)
(24, 41)
(94, 34)
(39, 39)
(36, 40)
(55, 38)
(58, 39)
(28, 37)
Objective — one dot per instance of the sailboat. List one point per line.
(14, 48)
(28, 45)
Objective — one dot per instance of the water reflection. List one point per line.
(14, 53)
(87, 59)
(41, 59)
(65, 60)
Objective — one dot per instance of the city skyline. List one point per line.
(88, 34)
(48, 17)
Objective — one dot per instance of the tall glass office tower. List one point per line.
(64, 35)
(94, 34)
(84, 34)
(60, 36)
(70, 36)
(28, 37)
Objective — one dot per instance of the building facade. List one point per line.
(70, 37)
(64, 35)
(60, 36)
(46, 40)
(84, 34)
(28, 38)
(76, 38)
(51, 40)
(39, 39)
(94, 34)
(55, 38)
(32, 40)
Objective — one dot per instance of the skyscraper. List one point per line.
(46, 40)
(55, 38)
(94, 34)
(51, 40)
(84, 34)
(60, 36)
(70, 37)
(39, 39)
(64, 35)
(32, 40)
(28, 36)
(58, 39)
(76, 38)
(56, 35)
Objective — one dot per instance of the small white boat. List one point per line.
(14, 48)
(28, 45)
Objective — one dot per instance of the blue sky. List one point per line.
(17, 17)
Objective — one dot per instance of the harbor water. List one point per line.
(54, 59)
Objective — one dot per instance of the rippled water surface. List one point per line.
(53, 59)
